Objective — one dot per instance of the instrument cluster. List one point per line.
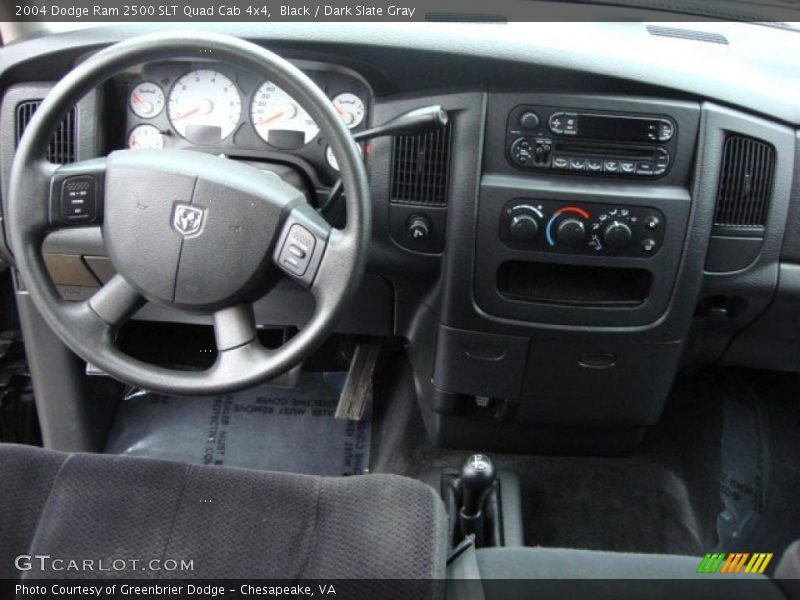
(216, 107)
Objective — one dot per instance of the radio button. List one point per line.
(577, 164)
(665, 131)
(594, 164)
(570, 124)
(627, 166)
(611, 166)
(560, 162)
(662, 162)
(522, 152)
(645, 168)
(556, 122)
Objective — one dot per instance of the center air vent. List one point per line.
(421, 168)
(745, 184)
(62, 145)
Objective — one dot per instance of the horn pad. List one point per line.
(192, 230)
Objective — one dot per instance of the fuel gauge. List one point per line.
(350, 107)
(147, 99)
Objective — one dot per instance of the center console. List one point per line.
(559, 330)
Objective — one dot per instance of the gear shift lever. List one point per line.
(476, 482)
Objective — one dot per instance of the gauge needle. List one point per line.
(187, 114)
(346, 115)
(207, 106)
(289, 109)
(148, 106)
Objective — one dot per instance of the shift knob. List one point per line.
(476, 479)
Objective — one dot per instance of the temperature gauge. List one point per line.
(147, 99)
(145, 137)
(350, 107)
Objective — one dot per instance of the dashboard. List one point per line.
(592, 218)
(213, 107)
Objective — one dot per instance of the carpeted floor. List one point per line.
(665, 499)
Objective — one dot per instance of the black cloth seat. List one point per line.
(232, 523)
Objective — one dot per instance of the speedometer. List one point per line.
(278, 118)
(204, 105)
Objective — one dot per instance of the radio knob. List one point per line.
(523, 228)
(529, 120)
(571, 231)
(617, 234)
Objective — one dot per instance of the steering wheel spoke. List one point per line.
(116, 301)
(238, 347)
(76, 193)
(234, 327)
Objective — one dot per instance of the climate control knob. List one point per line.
(523, 228)
(617, 234)
(571, 231)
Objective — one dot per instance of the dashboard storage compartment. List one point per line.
(602, 382)
(579, 285)
(479, 364)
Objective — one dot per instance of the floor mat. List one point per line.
(774, 513)
(267, 428)
(618, 504)
(641, 503)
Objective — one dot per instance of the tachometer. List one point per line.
(203, 101)
(273, 110)
(147, 99)
(145, 137)
(350, 107)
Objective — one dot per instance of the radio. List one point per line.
(590, 143)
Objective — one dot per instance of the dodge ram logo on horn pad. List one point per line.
(186, 219)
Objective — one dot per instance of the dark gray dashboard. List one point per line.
(545, 331)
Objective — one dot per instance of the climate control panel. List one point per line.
(582, 228)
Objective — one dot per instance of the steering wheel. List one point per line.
(186, 229)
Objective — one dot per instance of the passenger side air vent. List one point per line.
(745, 184)
(62, 145)
(687, 34)
(421, 168)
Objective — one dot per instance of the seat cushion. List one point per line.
(610, 574)
(232, 523)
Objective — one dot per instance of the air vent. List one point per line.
(745, 184)
(687, 34)
(421, 168)
(62, 145)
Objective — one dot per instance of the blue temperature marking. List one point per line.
(549, 230)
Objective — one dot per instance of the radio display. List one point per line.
(627, 129)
